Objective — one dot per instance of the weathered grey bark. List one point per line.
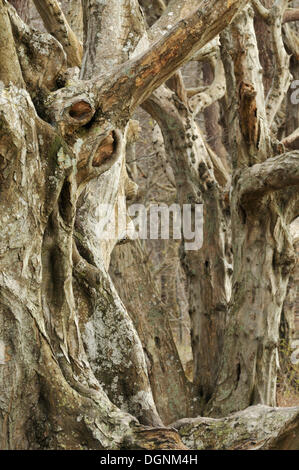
(288, 326)
(264, 40)
(261, 214)
(156, 32)
(10, 67)
(88, 219)
(74, 15)
(74, 373)
(291, 138)
(212, 117)
(207, 269)
(288, 119)
(132, 277)
(258, 427)
(66, 406)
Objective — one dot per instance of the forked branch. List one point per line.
(117, 95)
(137, 79)
(56, 24)
(202, 99)
(261, 10)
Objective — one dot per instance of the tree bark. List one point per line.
(256, 428)
(263, 252)
(10, 66)
(134, 282)
(22, 7)
(73, 371)
(206, 269)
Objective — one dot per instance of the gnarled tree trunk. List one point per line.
(74, 372)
